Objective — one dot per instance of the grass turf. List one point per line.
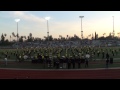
(29, 65)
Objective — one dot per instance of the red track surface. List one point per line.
(60, 74)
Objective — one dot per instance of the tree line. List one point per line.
(30, 38)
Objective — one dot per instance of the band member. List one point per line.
(73, 62)
(103, 55)
(116, 52)
(69, 63)
(54, 61)
(19, 58)
(113, 52)
(87, 56)
(79, 62)
(5, 61)
(57, 63)
(64, 62)
(98, 53)
(49, 62)
(107, 59)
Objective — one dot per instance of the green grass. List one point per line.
(29, 65)
(42, 51)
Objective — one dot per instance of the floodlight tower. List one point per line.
(81, 27)
(17, 20)
(113, 27)
(47, 18)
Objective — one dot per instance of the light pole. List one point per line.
(47, 18)
(113, 27)
(81, 27)
(104, 37)
(17, 20)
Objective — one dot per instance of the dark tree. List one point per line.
(21, 39)
(2, 38)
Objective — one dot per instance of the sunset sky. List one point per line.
(61, 23)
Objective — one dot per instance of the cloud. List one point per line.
(27, 16)
(38, 25)
(64, 28)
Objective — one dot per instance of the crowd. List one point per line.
(67, 43)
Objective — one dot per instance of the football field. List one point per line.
(96, 61)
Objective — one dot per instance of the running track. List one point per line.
(113, 73)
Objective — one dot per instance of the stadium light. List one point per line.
(81, 27)
(47, 18)
(17, 20)
(113, 27)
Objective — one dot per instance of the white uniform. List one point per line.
(25, 57)
(87, 56)
(5, 61)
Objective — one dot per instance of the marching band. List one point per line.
(68, 57)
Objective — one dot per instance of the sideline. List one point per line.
(60, 69)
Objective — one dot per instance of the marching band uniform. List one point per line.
(69, 63)
(87, 56)
(107, 60)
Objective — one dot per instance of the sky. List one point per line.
(61, 23)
